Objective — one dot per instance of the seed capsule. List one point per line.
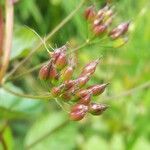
(89, 69)
(82, 93)
(99, 29)
(81, 81)
(85, 100)
(52, 72)
(56, 91)
(57, 52)
(68, 84)
(68, 94)
(119, 30)
(67, 74)
(78, 111)
(61, 61)
(89, 13)
(97, 89)
(97, 109)
(44, 72)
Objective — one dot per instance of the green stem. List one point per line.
(44, 97)
(128, 92)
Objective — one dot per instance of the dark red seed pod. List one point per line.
(119, 30)
(61, 61)
(67, 73)
(53, 74)
(82, 93)
(90, 13)
(99, 29)
(66, 96)
(85, 100)
(56, 91)
(78, 112)
(97, 89)
(102, 11)
(44, 72)
(57, 52)
(69, 84)
(97, 109)
(81, 81)
(89, 69)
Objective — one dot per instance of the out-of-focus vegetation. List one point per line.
(42, 125)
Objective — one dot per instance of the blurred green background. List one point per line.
(41, 125)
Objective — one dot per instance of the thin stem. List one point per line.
(57, 28)
(8, 38)
(1, 31)
(128, 92)
(36, 97)
(2, 141)
(26, 72)
(46, 135)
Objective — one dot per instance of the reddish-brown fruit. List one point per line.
(99, 29)
(90, 13)
(57, 52)
(69, 84)
(52, 72)
(82, 93)
(61, 61)
(97, 109)
(103, 11)
(81, 81)
(56, 91)
(44, 72)
(97, 89)
(85, 100)
(78, 112)
(67, 74)
(89, 69)
(119, 30)
(68, 94)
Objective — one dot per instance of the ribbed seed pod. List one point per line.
(53, 74)
(57, 52)
(99, 29)
(81, 81)
(97, 89)
(44, 72)
(67, 73)
(97, 109)
(61, 61)
(48, 71)
(119, 30)
(68, 84)
(81, 93)
(85, 100)
(68, 94)
(89, 69)
(78, 112)
(90, 13)
(56, 91)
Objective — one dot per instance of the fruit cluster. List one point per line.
(101, 20)
(59, 72)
